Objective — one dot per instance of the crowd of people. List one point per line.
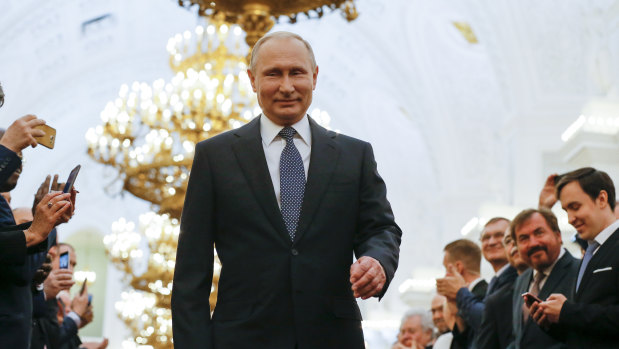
(36, 271)
(541, 296)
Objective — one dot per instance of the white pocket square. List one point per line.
(602, 269)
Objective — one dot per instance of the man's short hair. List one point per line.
(591, 181)
(525, 215)
(1, 96)
(280, 35)
(467, 252)
(426, 318)
(495, 219)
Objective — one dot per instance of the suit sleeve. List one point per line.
(470, 308)
(12, 247)
(593, 319)
(9, 162)
(378, 235)
(193, 274)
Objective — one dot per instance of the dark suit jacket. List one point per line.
(496, 331)
(46, 331)
(471, 307)
(16, 295)
(274, 292)
(591, 318)
(466, 338)
(561, 280)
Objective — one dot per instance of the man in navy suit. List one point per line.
(588, 317)
(286, 243)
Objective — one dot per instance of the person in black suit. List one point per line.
(553, 269)
(587, 315)
(470, 307)
(21, 134)
(496, 330)
(286, 244)
(462, 262)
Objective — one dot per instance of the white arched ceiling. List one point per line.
(454, 125)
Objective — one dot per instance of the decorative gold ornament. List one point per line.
(257, 17)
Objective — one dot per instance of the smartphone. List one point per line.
(89, 298)
(64, 260)
(72, 176)
(529, 299)
(48, 140)
(83, 286)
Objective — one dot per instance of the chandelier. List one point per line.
(148, 134)
(257, 17)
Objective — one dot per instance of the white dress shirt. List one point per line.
(273, 146)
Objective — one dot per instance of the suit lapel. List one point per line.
(322, 165)
(522, 286)
(250, 155)
(556, 276)
(594, 263)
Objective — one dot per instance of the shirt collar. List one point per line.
(606, 233)
(269, 130)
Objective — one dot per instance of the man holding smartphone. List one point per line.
(553, 269)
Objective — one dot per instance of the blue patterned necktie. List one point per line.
(292, 181)
(585, 261)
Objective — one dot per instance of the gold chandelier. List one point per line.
(257, 17)
(148, 135)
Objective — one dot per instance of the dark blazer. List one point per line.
(16, 295)
(274, 292)
(471, 307)
(46, 331)
(496, 330)
(9, 162)
(561, 280)
(466, 338)
(591, 318)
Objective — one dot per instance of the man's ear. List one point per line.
(315, 78)
(602, 199)
(252, 80)
(460, 267)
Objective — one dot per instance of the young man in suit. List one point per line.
(462, 262)
(537, 235)
(587, 316)
(286, 243)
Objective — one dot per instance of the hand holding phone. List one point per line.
(529, 299)
(83, 286)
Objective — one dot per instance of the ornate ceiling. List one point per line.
(454, 125)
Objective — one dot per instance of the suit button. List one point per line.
(294, 252)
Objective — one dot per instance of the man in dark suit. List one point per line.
(496, 330)
(462, 262)
(470, 307)
(553, 269)
(286, 244)
(588, 317)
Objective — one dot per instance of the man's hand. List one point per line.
(367, 277)
(58, 280)
(43, 190)
(451, 283)
(21, 133)
(80, 306)
(547, 197)
(87, 317)
(551, 308)
(43, 272)
(399, 345)
(48, 214)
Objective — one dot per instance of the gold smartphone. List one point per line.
(49, 138)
